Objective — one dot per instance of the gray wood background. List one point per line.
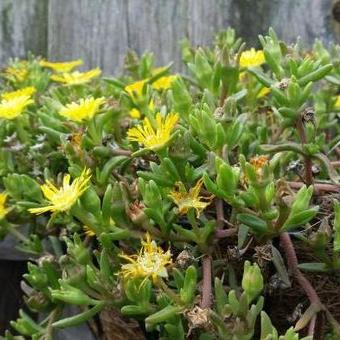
(102, 31)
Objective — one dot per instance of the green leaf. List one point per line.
(80, 318)
(255, 223)
(299, 219)
(313, 267)
(163, 315)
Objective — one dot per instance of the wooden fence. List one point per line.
(101, 31)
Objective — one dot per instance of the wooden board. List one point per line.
(101, 31)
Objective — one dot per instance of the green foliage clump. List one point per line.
(174, 200)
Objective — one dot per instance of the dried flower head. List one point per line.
(63, 198)
(136, 213)
(186, 200)
(61, 66)
(258, 162)
(154, 138)
(151, 262)
(198, 318)
(184, 259)
(82, 110)
(76, 77)
(252, 58)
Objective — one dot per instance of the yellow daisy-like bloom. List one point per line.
(12, 108)
(63, 198)
(26, 91)
(84, 109)
(61, 66)
(76, 77)
(3, 209)
(186, 200)
(88, 231)
(151, 262)
(251, 58)
(135, 89)
(136, 114)
(263, 92)
(17, 72)
(163, 83)
(337, 103)
(154, 139)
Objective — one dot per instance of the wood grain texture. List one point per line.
(102, 31)
(23, 28)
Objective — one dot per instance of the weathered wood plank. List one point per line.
(23, 28)
(101, 31)
(94, 30)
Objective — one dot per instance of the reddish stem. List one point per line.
(289, 249)
(206, 287)
(336, 164)
(317, 186)
(223, 233)
(219, 214)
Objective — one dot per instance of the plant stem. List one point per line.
(206, 287)
(223, 96)
(17, 234)
(317, 186)
(336, 164)
(305, 284)
(308, 162)
(223, 233)
(219, 214)
(289, 249)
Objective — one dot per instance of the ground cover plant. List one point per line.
(202, 205)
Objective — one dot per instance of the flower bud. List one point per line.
(136, 213)
(252, 281)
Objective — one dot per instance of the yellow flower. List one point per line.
(3, 209)
(135, 89)
(17, 72)
(163, 83)
(263, 92)
(26, 91)
(154, 139)
(61, 67)
(84, 109)
(12, 108)
(186, 200)
(88, 231)
(136, 114)
(151, 262)
(337, 103)
(76, 77)
(63, 198)
(251, 58)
